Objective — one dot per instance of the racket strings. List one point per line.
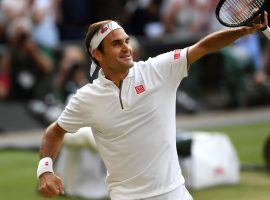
(237, 11)
(240, 10)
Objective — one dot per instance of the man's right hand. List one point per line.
(50, 185)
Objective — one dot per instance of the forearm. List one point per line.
(221, 39)
(50, 185)
(217, 41)
(51, 141)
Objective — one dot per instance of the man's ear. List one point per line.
(97, 55)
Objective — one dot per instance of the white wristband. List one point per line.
(267, 32)
(45, 165)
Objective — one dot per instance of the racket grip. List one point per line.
(266, 32)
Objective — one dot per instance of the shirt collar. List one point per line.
(103, 79)
(107, 82)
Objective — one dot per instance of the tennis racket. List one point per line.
(235, 13)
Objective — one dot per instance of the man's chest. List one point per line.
(121, 108)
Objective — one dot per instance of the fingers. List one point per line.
(51, 190)
(255, 10)
(59, 185)
(259, 18)
(265, 22)
(257, 27)
(45, 191)
(262, 20)
(50, 185)
(45, 188)
(252, 29)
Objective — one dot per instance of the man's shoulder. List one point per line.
(142, 63)
(84, 90)
(157, 57)
(84, 95)
(85, 87)
(91, 89)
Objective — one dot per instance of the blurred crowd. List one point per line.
(42, 56)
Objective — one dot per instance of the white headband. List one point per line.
(102, 33)
(98, 37)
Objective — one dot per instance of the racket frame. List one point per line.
(243, 23)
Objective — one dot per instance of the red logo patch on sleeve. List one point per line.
(139, 89)
(177, 54)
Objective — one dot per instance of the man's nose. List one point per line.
(126, 47)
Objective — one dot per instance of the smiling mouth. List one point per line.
(126, 57)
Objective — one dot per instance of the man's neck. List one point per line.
(117, 78)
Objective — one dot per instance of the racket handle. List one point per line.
(266, 32)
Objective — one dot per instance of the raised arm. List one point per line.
(49, 184)
(221, 39)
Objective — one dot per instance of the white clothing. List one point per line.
(80, 166)
(180, 193)
(134, 127)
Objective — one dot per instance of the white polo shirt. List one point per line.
(134, 127)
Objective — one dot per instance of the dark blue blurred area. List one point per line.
(43, 59)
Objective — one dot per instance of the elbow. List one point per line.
(203, 49)
(55, 131)
(195, 52)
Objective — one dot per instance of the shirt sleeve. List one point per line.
(72, 118)
(171, 66)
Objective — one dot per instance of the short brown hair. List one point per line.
(92, 30)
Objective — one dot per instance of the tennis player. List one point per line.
(131, 110)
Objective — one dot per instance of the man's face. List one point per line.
(117, 53)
